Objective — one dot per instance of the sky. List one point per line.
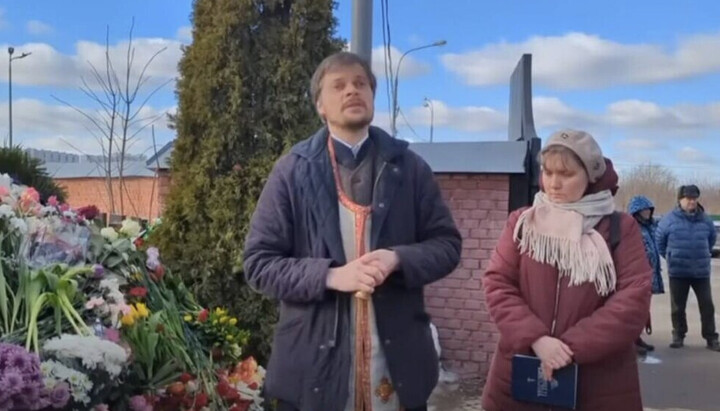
(643, 77)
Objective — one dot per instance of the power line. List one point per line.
(387, 52)
(408, 124)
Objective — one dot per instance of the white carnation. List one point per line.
(6, 211)
(109, 233)
(130, 228)
(19, 225)
(93, 352)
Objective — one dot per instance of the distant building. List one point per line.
(85, 181)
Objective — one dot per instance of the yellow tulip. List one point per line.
(142, 310)
(233, 321)
(229, 338)
(187, 318)
(223, 319)
(128, 319)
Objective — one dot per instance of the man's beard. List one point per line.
(358, 124)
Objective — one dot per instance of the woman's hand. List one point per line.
(553, 353)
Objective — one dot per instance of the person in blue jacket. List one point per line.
(685, 238)
(642, 209)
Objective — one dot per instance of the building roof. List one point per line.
(162, 157)
(93, 170)
(482, 157)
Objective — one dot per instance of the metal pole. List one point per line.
(361, 38)
(10, 52)
(395, 106)
(429, 104)
(432, 120)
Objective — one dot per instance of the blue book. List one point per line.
(529, 385)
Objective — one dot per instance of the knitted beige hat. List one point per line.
(585, 147)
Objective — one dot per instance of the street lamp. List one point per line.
(428, 104)
(395, 107)
(11, 50)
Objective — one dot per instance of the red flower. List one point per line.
(177, 389)
(227, 392)
(201, 400)
(186, 377)
(140, 292)
(139, 242)
(158, 274)
(203, 316)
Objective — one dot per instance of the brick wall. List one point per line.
(141, 198)
(479, 204)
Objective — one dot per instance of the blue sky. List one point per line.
(643, 76)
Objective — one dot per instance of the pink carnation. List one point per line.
(94, 302)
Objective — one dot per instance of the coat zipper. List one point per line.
(377, 179)
(555, 310)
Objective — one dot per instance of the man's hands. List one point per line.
(363, 274)
(553, 353)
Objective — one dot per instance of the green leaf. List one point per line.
(113, 261)
(52, 279)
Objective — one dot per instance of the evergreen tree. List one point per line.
(29, 171)
(243, 101)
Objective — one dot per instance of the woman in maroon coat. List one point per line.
(557, 291)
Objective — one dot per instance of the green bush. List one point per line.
(243, 101)
(29, 171)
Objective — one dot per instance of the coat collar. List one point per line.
(321, 183)
(389, 148)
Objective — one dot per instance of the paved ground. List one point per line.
(687, 379)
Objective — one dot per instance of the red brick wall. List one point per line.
(141, 199)
(479, 204)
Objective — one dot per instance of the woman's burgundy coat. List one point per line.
(520, 295)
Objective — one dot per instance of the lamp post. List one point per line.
(11, 50)
(428, 104)
(395, 107)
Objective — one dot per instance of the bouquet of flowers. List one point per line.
(22, 385)
(90, 318)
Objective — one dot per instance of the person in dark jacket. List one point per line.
(643, 210)
(685, 238)
(349, 228)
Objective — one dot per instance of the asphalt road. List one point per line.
(686, 378)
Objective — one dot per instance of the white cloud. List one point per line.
(184, 34)
(49, 67)
(631, 144)
(552, 112)
(468, 118)
(643, 122)
(37, 124)
(410, 67)
(650, 116)
(693, 155)
(38, 28)
(579, 60)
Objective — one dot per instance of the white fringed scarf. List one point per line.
(564, 236)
